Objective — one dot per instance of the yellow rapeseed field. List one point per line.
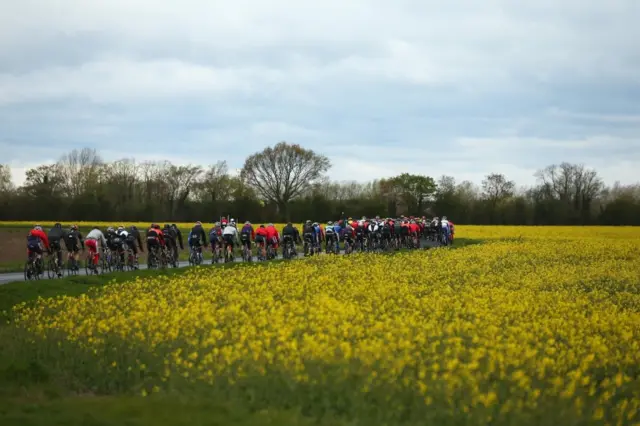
(534, 326)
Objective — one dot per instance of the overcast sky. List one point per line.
(461, 87)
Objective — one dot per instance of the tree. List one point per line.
(496, 187)
(411, 190)
(282, 173)
(179, 180)
(569, 191)
(79, 171)
(215, 184)
(5, 179)
(44, 181)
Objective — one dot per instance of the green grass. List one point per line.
(35, 390)
(13, 266)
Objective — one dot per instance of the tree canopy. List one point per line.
(289, 182)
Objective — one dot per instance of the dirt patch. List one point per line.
(13, 245)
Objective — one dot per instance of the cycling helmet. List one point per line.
(74, 227)
(173, 225)
(315, 224)
(330, 223)
(120, 228)
(271, 224)
(217, 223)
(166, 226)
(377, 217)
(198, 223)
(133, 227)
(262, 226)
(308, 222)
(361, 222)
(444, 218)
(57, 225)
(38, 228)
(110, 229)
(247, 223)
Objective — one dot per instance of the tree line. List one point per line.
(289, 182)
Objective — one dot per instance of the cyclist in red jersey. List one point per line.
(37, 240)
(262, 235)
(273, 237)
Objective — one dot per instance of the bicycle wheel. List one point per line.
(87, 266)
(28, 271)
(70, 267)
(50, 268)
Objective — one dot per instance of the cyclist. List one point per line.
(290, 235)
(178, 237)
(37, 241)
(123, 236)
(308, 235)
(197, 238)
(318, 236)
(397, 231)
(445, 228)
(414, 231)
(273, 237)
(95, 241)
(133, 236)
(215, 237)
(230, 235)
(348, 234)
(71, 242)
(372, 232)
(56, 234)
(451, 230)
(247, 233)
(170, 239)
(262, 235)
(110, 235)
(360, 228)
(116, 242)
(330, 234)
(155, 239)
(337, 228)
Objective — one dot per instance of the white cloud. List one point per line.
(466, 88)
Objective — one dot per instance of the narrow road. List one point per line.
(19, 276)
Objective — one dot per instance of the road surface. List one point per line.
(19, 276)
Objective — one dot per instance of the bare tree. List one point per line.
(282, 173)
(180, 182)
(5, 179)
(496, 187)
(121, 186)
(79, 170)
(215, 184)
